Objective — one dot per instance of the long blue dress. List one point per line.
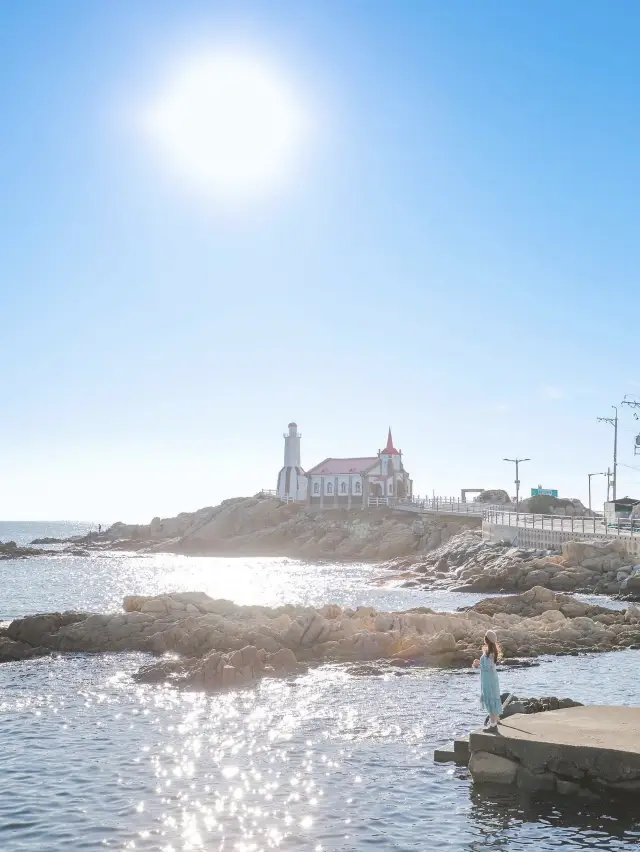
(489, 685)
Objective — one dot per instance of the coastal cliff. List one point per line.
(264, 526)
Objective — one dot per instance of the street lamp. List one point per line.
(517, 462)
(600, 473)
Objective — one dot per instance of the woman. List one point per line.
(489, 684)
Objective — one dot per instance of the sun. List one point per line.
(229, 124)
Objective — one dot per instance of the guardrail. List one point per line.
(446, 505)
(562, 523)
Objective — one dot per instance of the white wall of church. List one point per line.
(340, 484)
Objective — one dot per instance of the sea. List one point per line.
(329, 760)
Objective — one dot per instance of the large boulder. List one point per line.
(494, 497)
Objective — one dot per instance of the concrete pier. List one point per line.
(579, 750)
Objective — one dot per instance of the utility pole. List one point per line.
(601, 473)
(613, 421)
(517, 462)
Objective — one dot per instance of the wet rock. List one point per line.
(567, 788)
(466, 563)
(492, 768)
(11, 651)
(11, 550)
(195, 626)
(533, 782)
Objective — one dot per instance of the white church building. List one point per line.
(343, 482)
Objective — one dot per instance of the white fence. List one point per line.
(446, 505)
(562, 523)
(378, 501)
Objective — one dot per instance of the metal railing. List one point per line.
(562, 523)
(447, 505)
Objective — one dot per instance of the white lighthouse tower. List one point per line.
(292, 481)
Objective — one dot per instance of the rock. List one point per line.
(154, 606)
(494, 497)
(284, 661)
(133, 603)
(534, 782)
(632, 614)
(266, 526)
(492, 769)
(10, 550)
(213, 633)
(11, 651)
(535, 578)
(37, 630)
(316, 630)
(466, 563)
(567, 788)
(543, 504)
(513, 708)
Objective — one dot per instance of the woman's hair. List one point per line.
(493, 649)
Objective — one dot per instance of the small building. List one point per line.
(345, 482)
(622, 509)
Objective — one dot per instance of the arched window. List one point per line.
(358, 489)
(329, 487)
(391, 488)
(343, 487)
(316, 487)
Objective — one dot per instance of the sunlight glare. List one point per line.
(229, 124)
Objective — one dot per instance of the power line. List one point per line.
(630, 466)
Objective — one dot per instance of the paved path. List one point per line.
(616, 728)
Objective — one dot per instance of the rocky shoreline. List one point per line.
(11, 550)
(465, 563)
(265, 526)
(211, 644)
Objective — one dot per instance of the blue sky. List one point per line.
(455, 256)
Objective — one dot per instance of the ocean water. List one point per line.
(326, 761)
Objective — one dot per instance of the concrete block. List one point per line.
(461, 750)
(445, 754)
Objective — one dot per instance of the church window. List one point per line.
(391, 488)
(316, 487)
(329, 488)
(343, 487)
(357, 487)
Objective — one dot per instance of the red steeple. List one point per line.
(390, 449)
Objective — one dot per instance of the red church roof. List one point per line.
(390, 449)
